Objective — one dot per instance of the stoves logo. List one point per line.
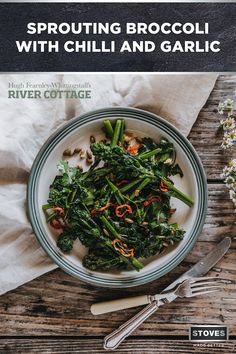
(208, 333)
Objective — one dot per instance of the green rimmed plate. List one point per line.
(76, 133)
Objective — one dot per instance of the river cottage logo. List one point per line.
(48, 90)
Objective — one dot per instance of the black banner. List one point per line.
(170, 47)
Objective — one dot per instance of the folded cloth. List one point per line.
(177, 98)
(25, 124)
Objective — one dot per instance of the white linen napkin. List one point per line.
(25, 124)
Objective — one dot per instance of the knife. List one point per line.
(113, 340)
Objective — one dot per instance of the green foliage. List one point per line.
(65, 242)
(143, 231)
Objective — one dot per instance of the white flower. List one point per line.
(227, 168)
(229, 103)
(221, 107)
(232, 165)
(229, 181)
(226, 171)
(222, 124)
(227, 143)
(232, 196)
(232, 135)
(229, 123)
(229, 126)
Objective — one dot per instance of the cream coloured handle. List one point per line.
(119, 304)
(113, 340)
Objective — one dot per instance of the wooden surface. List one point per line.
(51, 314)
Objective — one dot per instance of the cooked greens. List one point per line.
(120, 207)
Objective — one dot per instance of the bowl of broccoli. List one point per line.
(117, 197)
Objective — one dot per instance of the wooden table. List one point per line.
(51, 314)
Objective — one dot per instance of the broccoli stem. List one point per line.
(52, 215)
(116, 134)
(130, 185)
(84, 223)
(110, 227)
(116, 191)
(108, 128)
(72, 195)
(102, 171)
(143, 184)
(148, 154)
(107, 242)
(178, 194)
(46, 206)
(122, 131)
(134, 261)
(136, 264)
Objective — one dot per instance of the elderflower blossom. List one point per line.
(221, 108)
(228, 139)
(228, 124)
(229, 176)
(227, 142)
(227, 105)
(232, 195)
(232, 135)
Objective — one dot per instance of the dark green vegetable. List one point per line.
(119, 211)
(148, 154)
(116, 134)
(108, 128)
(65, 243)
(122, 130)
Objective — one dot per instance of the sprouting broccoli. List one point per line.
(103, 259)
(65, 243)
(120, 208)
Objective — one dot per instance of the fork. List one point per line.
(188, 288)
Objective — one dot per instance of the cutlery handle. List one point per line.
(113, 340)
(119, 304)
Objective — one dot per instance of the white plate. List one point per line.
(77, 133)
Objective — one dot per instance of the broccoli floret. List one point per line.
(97, 262)
(65, 243)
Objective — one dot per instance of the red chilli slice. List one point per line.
(61, 211)
(108, 205)
(128, 252)
(151, 200)
(163, 187)
(127, 207)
